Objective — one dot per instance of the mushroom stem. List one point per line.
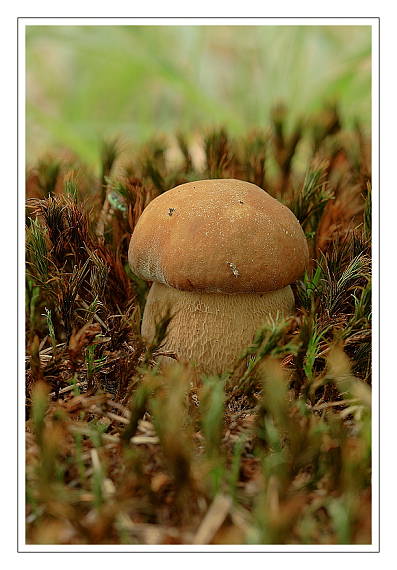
(210, 330)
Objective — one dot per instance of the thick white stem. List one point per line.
(211, 330)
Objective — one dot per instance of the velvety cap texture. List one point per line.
(218, 236)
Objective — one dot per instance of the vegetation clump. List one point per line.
(276, 451)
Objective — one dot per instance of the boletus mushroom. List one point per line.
(222, 255)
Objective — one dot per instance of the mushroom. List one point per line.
(221, 255)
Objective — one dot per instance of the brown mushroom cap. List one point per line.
(218, 235)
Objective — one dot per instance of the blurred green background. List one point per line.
(86, 83)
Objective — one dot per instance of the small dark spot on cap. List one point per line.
(241, 202)
(171, 211)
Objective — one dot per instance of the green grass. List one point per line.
(120, 451)
(86, 82)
